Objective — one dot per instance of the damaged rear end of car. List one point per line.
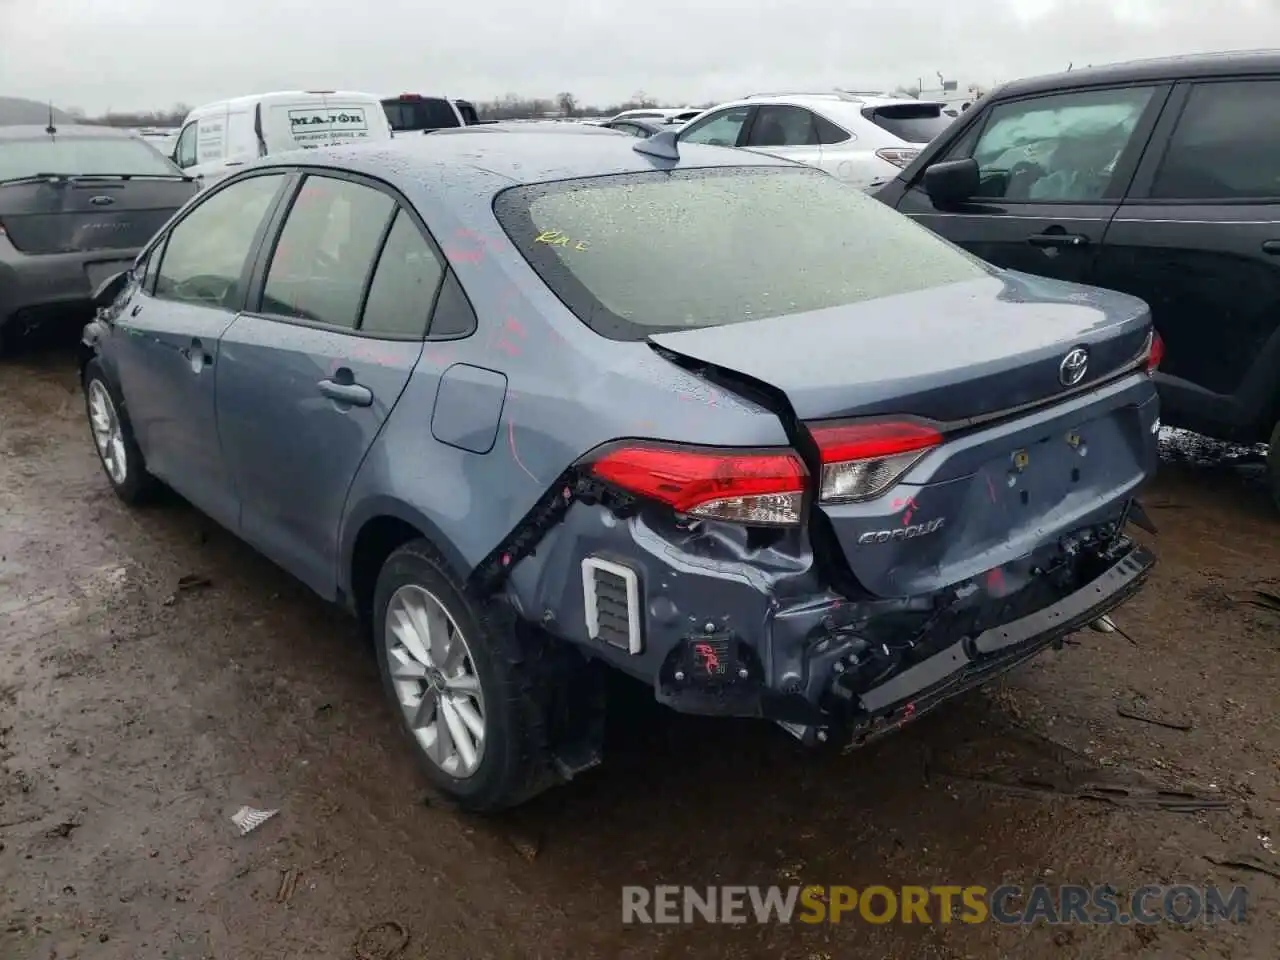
(947, 491)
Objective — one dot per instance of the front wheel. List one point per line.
(462, 682)
(113, 438)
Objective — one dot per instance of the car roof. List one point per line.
(292, 95)
(651, 123)
(528, 126)
(412, 164)
(79, 131)
(835, 96)
(1186, 67)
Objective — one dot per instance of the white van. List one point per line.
(219, 137)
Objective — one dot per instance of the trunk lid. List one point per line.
(948, 353)
(81, 215)
(1025, 459)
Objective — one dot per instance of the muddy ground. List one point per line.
(135, 718)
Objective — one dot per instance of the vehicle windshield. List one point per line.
(637, 254)
(82, 156)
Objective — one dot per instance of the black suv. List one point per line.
(1160, 178)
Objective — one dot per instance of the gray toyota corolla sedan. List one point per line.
(530, 408)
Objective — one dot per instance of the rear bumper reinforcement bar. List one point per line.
(972, 660)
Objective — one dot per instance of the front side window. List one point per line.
(1226, 145)
(326, 251)
(718, 130)
(702, 248)
(205, 255)
(404, 283)
(1057, 148)
(185, 154)
(782, 126)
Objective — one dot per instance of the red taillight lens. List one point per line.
(734, 485)
(1155, 352)
(862, 460)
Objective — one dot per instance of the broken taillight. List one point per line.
(862, 460)
(764, 487)
(1154, 352)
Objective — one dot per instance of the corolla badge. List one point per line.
(908, 532)
(1073, 367)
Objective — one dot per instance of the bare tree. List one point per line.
(568, 104)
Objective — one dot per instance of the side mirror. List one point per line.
(110, 288)
(952, 181)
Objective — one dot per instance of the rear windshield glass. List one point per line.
(82, 155)
(910, 122)
(637, 254)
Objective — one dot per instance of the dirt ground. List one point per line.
(135, 718)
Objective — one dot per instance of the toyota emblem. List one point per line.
(1072, 369)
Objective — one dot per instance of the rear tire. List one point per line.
(1273, 466)
(465, 684)
(112, 436)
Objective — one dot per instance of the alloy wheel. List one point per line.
(435, 681)
(107, 434)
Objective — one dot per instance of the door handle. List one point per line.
(196, 356)
(354, 394)
(1057, 239)
(1272, 247)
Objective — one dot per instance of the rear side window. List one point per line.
(637, 254)
(404, 284)
(326, 251)
(206, 251)
(70, 155)
(782, 126)
(828, 132)
(437, 114)
(1226, 145)
(912, 122)
(399, 114)
(1057, 148)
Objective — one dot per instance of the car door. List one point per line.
(786, 131)
(724, 128)
(308, 374)
(1198, 238)
(1053, 169)
(168, 354)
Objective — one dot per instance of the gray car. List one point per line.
(758, 441)
(76, 205)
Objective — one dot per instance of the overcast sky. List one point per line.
(144, 54)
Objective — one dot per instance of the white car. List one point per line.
(663, 114)
(861, 139)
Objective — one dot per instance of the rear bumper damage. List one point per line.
(729, 622)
